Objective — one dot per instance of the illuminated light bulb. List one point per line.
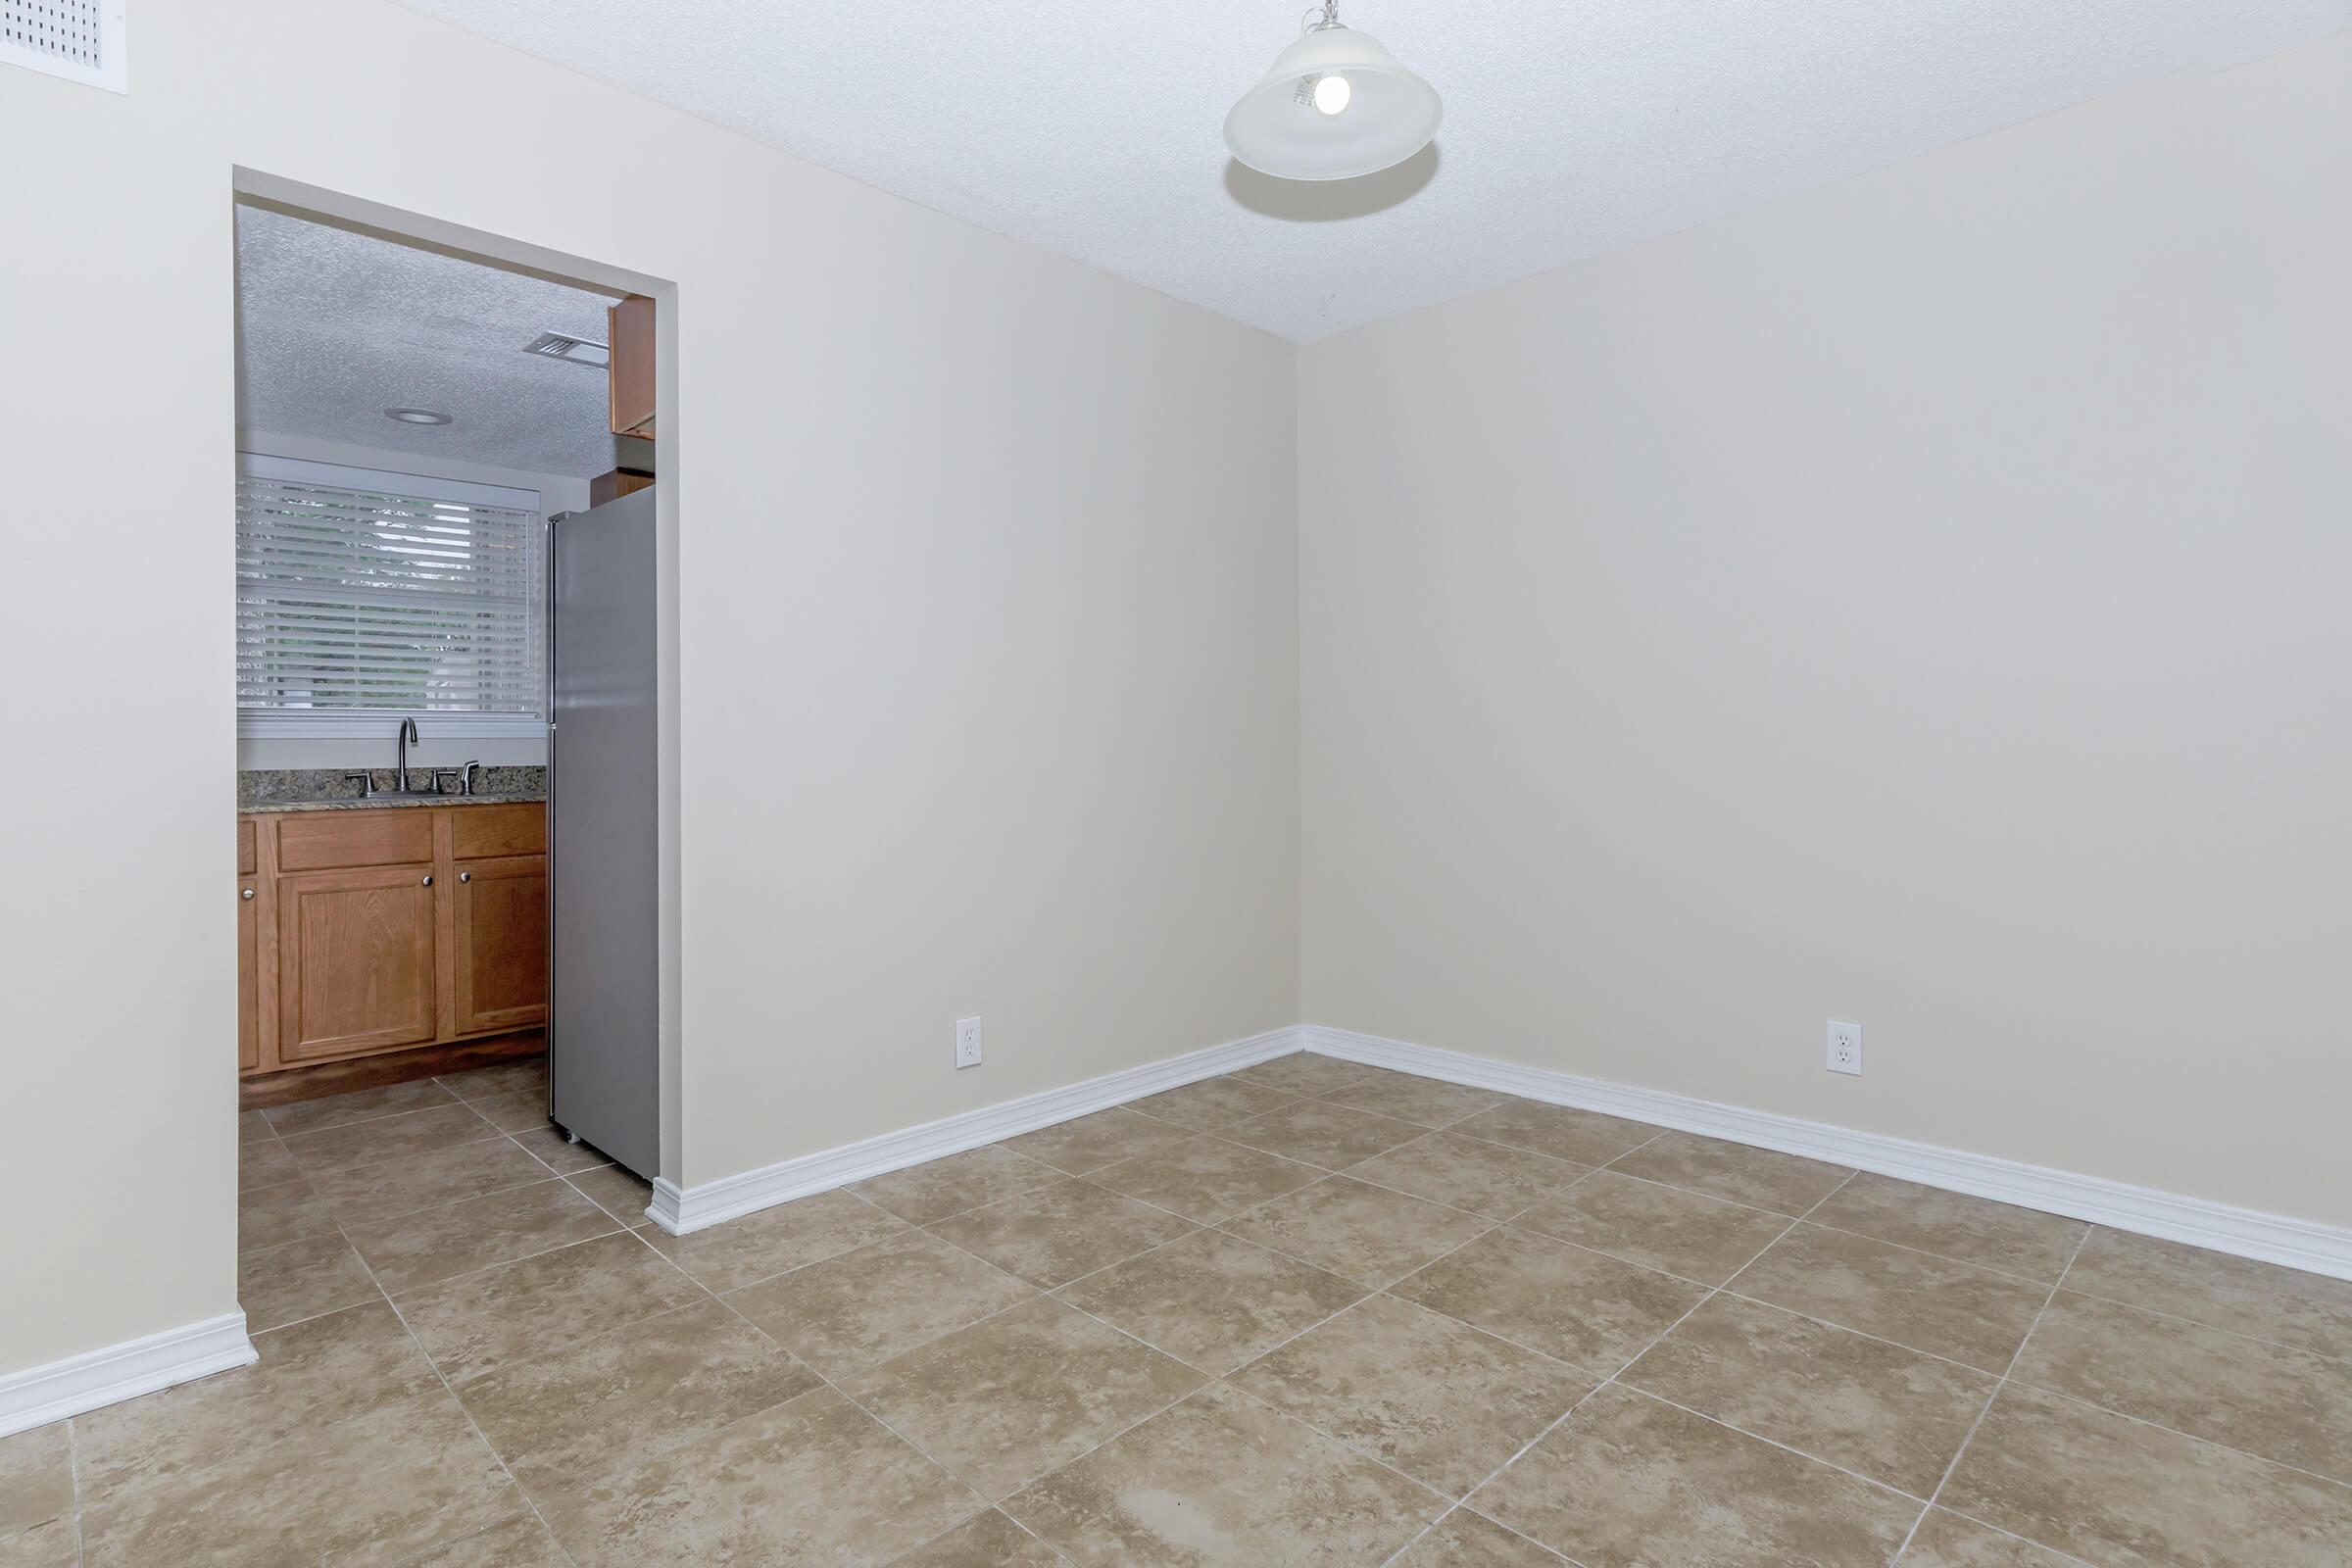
(1331, 93)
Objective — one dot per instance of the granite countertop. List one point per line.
(380, 803)
(336, 789)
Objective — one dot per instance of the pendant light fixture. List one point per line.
(1335, 105)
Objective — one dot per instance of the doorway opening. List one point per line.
(446, 493)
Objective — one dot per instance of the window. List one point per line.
(363, 596)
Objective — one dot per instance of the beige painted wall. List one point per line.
(1922, 601)
(985, 575)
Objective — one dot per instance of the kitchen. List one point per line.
(436, 460)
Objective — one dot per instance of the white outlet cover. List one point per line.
(968, 1043)
(1844, 1053)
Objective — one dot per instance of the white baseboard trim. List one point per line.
(2200, 1222)
(38, 1395)
(682, 1211)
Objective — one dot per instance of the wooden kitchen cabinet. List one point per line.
(630, 368)
(248, 973)
(358, 957)
(500, 926)
(361, 932)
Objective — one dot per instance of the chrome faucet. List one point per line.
(408, 738)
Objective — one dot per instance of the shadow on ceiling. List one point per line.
(1311, 201)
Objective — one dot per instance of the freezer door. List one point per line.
(604, 1045)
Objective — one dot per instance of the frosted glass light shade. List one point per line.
(1390, 113)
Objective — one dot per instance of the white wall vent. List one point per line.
(80, 40)
(563, 346)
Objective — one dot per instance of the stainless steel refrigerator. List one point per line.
(604, 1052)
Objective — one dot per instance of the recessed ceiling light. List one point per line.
(416, 416)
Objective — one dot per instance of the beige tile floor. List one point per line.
(1311, 1313)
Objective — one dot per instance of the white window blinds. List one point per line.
(383, 594)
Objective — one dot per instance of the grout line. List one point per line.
(74, 1474)
(2010, 1535)
(2211, 1328)
(1952, 1468)
(450, 1389)
(1611, 1379)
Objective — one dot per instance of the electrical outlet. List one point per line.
(968, 1043)
(1845, 1048)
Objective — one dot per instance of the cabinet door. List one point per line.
(248, 975)
(502, 942)
(355, 962)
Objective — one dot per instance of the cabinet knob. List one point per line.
(428, 879)
(244, 893)
(464, 876)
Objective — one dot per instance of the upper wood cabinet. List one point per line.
(357, 962)
(501, 935)
(630, 329)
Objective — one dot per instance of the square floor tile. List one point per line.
(365, 1193)
(2109, 1489)
(992, 1540)
(436, 1244)
(522, 1075)
(478, 1321)
(36, 1478)
(1627, 1481)
(402, 1137)
(812, 1481)
(1580, 1137)
(1973, 1230)
(938, 1188)
(1737, 1172)
(2307, 1311)
(377, 1487)
(521, 1543)
(2264, 1399)
(360, 1104)
(1304, 1073)
(1090, 1143)
(1212, 1300)
(1862, 1405)
(1222, 1482)
(1947, 1540)
(1212, 1105)
(253, 1127)
(762, 1244)
(1320, 1132)
(1207, 1179)
(1368, 1234)
(1574, 1306)
(54, 1544)
(565, 1420)
(1490, 1179)
(1011, 1398)
(1056, 1233)
(1428, 1101)
(264, 1163)
(520, 1112)
(310, 1375)
(287, 1211)
(618, 1191)
(300, 1279)
(1465, 1539)
(1916, 1300)
(547, 1144)
(858, 1310)
(1665, 1228)
(1422, 1392)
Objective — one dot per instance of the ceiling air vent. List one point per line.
(559, 345)
(80, 40)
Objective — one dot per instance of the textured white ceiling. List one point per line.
(334, 327)
(1571, 129)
